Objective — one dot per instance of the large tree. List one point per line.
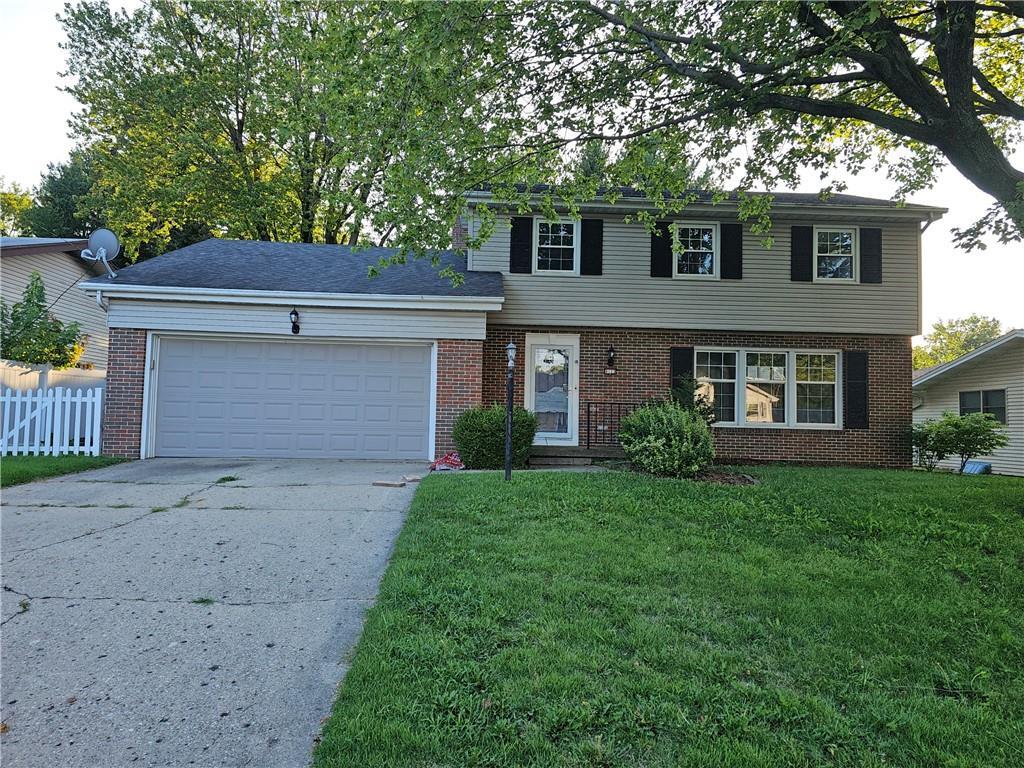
(279, 120)
(64, 204)
(762, 92)
(14, 202)
(951, 339)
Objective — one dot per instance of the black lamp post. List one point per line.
(510, 387)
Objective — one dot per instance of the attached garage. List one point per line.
(236, 349)
(278, 398)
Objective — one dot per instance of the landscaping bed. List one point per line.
(821, 616)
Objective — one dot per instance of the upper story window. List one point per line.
(835, 254)
(697, 255)
(991, 401)
(557, 246)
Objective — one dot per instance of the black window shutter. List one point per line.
(680, 365)
(801, 258)
(732, 251)
(870, 255)
(591, 246)
(661, 250)
(855, 389)
(520, 248)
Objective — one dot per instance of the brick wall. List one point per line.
(642, 372)
(459, 386)
(122, 403)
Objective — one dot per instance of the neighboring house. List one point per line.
(58, 263)
(988, 380)
(805, 343)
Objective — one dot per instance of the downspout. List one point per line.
(100, 302)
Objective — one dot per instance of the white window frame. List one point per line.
(742, 381)
(741, 387)
(736, 395)
(577, 232)
(716, 250)
(855, 256)
(838, 422)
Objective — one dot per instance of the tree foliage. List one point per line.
(954, 338)
(30, 333)
(65, 204)
(367, 122)
(14, 201)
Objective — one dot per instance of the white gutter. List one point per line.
(298, 298)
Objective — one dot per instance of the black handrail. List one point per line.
(603, 419)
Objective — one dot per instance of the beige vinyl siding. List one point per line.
(320, 322)
(625, 295)
(59, 271)
(1002, 368)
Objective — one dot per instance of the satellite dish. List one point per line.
(103, 246)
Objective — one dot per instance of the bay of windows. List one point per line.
(770, 387)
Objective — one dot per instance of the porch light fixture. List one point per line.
(294, 317)
(610, 365)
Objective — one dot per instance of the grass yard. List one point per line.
(15, 470)
(824, 617)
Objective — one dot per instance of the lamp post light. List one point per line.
(510, 386)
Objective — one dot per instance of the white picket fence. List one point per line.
(51, 422)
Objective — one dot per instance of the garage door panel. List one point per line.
(249, 398)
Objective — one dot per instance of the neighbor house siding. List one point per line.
(1002, 368)
(60, 272)
(317, 322)
(643, 370)
(764, 299)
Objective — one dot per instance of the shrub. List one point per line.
(686, 393)
(975, 434)
(667, 439)
(924, 447)
(479, 436)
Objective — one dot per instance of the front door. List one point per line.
(552, 386)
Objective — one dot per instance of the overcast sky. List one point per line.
(33, 132)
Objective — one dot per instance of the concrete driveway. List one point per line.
(187, 612)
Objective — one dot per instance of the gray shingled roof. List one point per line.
(301, 267)
(812, 199)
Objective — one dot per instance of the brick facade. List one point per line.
(459, 386)
(122, 400)
(642, 372)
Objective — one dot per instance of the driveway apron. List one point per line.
(181, 612)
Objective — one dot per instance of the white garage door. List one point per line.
(291, 399)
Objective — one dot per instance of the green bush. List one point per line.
(479, 436)
(975, 434)
(667, 439)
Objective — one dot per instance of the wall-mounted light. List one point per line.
(294, 317)
(610, 365)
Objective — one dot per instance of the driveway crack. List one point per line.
(93, 531)
(179, 600)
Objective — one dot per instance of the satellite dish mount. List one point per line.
(103, 246)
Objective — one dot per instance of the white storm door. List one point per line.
(553, 386)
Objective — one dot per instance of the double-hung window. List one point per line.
(696, 254)
(835, 254)
(991, 401)
(716, 382)
(815, 388)
(556, 247)
(765, 388)
(771, 388)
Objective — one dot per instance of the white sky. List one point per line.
(33, 132)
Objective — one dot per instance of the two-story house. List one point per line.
(229, 348)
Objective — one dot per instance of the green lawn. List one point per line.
(824, 617)
(24, 469)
